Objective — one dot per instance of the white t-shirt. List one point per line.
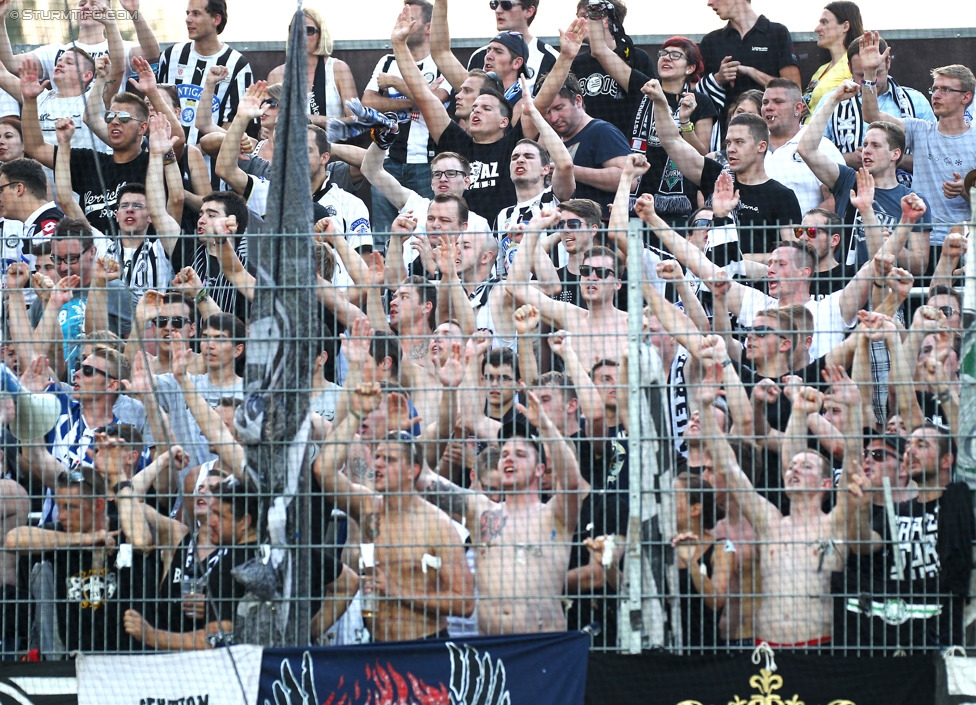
(829, 325)
(419, 205)
(785, 165)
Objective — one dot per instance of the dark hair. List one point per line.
(943, 290)
(790, 86)
(947, 444)
(29, 172)
(126, 432)
(544, 157)
(136, 105)
(489, 80)
(570, 88)
(233, 205)
(218, 7)
(895, 135)
(178, 297)
(503, 105)
(322, 143)
(169, 90)
(14, 122)
(87, 58)
(415, 446)
(846, 11)
(462, 205)
(227, 323)
(605, 362)
(755, 124)
(834, 224)
(75, 229)
(426, 289)
(692, 54)
(590, 211)
(618, 7)
(497, 357)
(242, 496)
(700, 492)
(131, 187)
(426, 7)
(534, 4)
(753, 95)
(117, 364)
(83, 474)
(560, 381)
(384, 345)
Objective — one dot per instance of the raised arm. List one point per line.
(429, 105)
(381, 179)
(249, 108)
(30, 88)
(871, 60)
(148, 44)
(822, 166)
(563, 177)
(146, 83)
(757, 510)
(591, 403)
(204, 119)
(440, 47)
(689, 160)
(103, 14)
(618, 69)
(65, 130)
(157, 181)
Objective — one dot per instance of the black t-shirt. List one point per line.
(91, 599)
(98, 198)
(603, 97)
(190, 252)
(491, 187)
(762, 210)
(768, 47)
(823, 284)
(597, 143)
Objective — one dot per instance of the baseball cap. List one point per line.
(515, 43)
(893, 441)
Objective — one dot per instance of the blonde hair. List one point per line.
(324, 47)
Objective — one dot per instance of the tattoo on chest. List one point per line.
(492, 523)
(419, 352)
(371, 527)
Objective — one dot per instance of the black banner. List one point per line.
(50, 683)
(799, 680)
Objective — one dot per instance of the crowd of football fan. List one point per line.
(469, 400)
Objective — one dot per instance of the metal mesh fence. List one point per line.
(604, 449)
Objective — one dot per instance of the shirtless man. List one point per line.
(797, 552)
(600, 329)
(522, 544)
(409, 535)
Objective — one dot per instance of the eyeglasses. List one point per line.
(9, 183)
(132, 206)
(90, 370)
(672, 54)
(881, 454)
(762, 331)
(808, 231)
(176, 322)
(122, 115)
(506, 5)
(70, 260)
(571, 224)
(700, 223)
(311, 31)
(600, 272)
(270, 102)
(449, 173)
(942, 90)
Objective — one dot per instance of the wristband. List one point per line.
(170, 158)
(687, 127)
(869, 84)
(880, 286)
(121, 486)
(727, 362)
(202, 295)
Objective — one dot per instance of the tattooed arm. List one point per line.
(460, 503)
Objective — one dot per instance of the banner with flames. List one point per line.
(549, 669)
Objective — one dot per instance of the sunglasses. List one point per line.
(449, 173)
(176, 322)
(571, 224)
(762, 331)
(506, 5)
(122, 115)
(600, 272)
(77, 477)
(90, 370)
(311, 31)
(700, 223)
(809, 231)
(881, 454)
(270, 102)
(671, 54)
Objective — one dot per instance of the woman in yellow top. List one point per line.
(840, 24)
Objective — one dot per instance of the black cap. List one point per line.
(893, 441)
(515, 43)
(519, 427)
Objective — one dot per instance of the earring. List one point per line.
(796, 114)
